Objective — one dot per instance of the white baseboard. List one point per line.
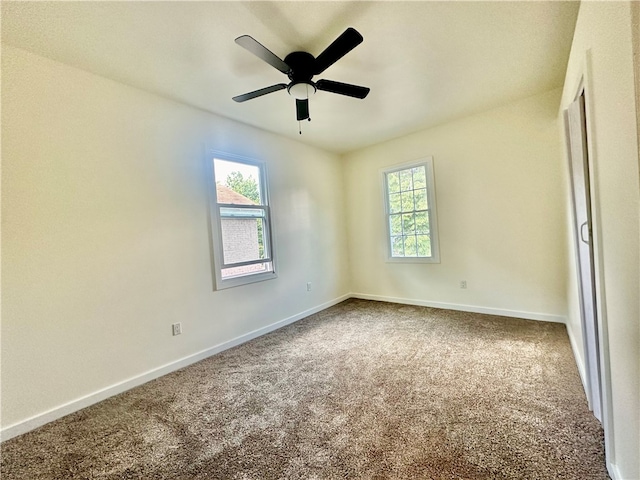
(613, 471)
(58, 412)
(78, 404)
(544, 317)
(578, 358)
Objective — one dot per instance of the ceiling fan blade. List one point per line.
(258, 93)
(342, 88)
(347, 41)
(262, 52)
(302, 109)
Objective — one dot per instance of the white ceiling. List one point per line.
(425, 62)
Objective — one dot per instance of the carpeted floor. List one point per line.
(361, 390)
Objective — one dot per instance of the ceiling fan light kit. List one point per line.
(301, 90)
(301, 67)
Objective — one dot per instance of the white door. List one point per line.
(579, 168)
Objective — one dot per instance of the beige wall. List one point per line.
(501, 214)
(105, 239)
(602, 47)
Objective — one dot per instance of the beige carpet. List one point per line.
(361, 390)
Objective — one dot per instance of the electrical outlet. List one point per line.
(463, 284)
(308, 286)
(177, 328)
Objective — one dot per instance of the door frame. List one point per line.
(583, 85)
(584, 250)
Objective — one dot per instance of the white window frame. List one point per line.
(427, 162)
(216, 225)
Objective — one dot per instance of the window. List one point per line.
(410, 207)
(240, 221)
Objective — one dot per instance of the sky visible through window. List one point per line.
(223, 168)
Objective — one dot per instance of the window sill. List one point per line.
(238, 281)
(412, 260)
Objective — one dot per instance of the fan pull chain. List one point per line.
(300, 125)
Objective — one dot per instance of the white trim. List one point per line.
(73, 406)
(598, 250)
(578, 358)
(613, 471)
(543, 317)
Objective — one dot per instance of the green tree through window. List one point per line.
(244, 186)
(410, 209)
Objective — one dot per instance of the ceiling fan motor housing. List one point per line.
(303, 67)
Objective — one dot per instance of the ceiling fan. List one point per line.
(301, 67)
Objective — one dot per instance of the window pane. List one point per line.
(393, 182)
(395, 224)
(410, 246)
(242, 239)
(237, 183)
(397, 247)
(407, 201)
(395, 203)
(419, 177)
(424, 245)
(408, 223)
(420, 197)
(406, 182)
(422, 222)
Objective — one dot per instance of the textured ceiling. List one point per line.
(425, 62)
